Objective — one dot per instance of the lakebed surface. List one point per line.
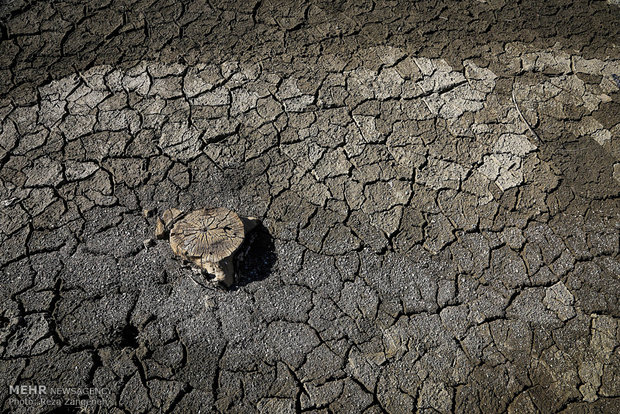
(437, 181)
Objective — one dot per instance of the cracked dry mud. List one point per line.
(438, 184)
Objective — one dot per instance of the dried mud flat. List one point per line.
(438, 184)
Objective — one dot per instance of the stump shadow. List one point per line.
(256, 257)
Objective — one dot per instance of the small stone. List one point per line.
(160, 229)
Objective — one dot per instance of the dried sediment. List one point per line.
(440, 245)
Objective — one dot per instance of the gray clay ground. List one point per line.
(421, 249)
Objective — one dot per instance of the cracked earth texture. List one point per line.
(438, 184)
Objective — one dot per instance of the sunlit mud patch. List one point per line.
(380, 155)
